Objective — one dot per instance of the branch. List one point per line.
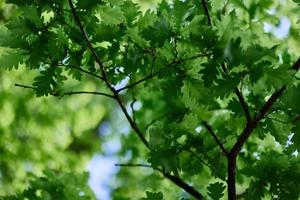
(134, 165)
(68, 93)
(209, 128)
(240, 96)
(86, 92)
(296, 65)
(82, 70)
(199, 159)
(152, 75)
(205, 7)
(149, 76)
(252, 125)
(189, 189)
(90, 45)
(132, 108)
(134, 126)
(244, 104)
(105, 79)
(25, 86)
(131, 121)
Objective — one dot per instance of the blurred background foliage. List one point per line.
(44, 133)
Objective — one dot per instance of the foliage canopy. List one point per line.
(219, 96)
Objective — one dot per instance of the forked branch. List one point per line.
(169, 65)
(252, 125)
(179, 182)
(105, 79)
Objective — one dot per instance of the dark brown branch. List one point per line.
(25, 86)
(205, 7)
(131, 121)
(105, 79)
(189, 189)
(68, 93)
(231, 165)
(240, 97)
(250, 126)
(90, 45)
(172, 178)
(209, 128)
(148, 77)
(132, 109)
(86, 92)
(244, 104)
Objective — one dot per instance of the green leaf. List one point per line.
(131, 11)
(49, 82)
(154, 196)
(88, 4)
(210, 72)
(11, 59)
(107, 18)
(133, 34)
(216, 190)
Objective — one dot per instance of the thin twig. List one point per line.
(171, 64)
(82, 70)
(25, 86)
(199, 159)
(240, 97)
(209, 128)
(68, 93)
(244, 104)
(132, 109)
(87, 92)
(134, 165)
(155, 120)
(148, 77)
